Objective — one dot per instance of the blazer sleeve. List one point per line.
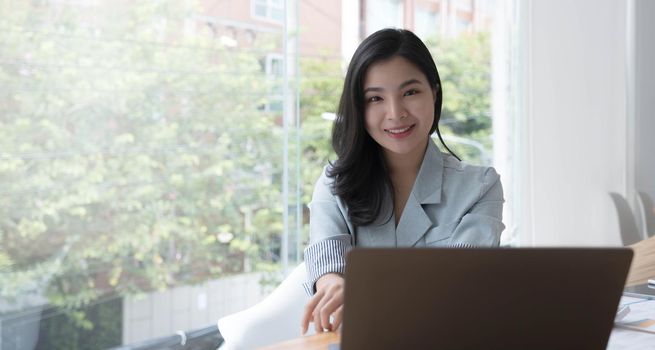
(329, 232)
(482, 225)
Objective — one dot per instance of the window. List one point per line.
(268, 9)
(473, 50)
(383, 13)
(465, 5)
(140, 186)
(154, 173)
(275, 73)
(427, 23)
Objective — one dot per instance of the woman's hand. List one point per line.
(328, 301)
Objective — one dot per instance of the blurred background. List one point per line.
(157, 157)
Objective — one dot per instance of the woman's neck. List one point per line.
(403, 165)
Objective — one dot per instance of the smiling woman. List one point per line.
(391, 186)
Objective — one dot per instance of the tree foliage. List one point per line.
(134, 156)
(464, 64)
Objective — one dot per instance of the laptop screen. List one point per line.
(511, 298)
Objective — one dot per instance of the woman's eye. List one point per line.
(411, 92)
(374, 99)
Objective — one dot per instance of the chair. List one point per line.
(274, 319)
(627, 225)
(643, 263)
(647, 211)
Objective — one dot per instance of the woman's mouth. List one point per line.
(400, 132)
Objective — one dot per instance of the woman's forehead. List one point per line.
(392, 73)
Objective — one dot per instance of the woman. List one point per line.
(390, 185)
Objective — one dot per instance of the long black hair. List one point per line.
(360, 172)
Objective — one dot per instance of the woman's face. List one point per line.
(398, 106)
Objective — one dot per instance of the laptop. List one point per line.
(646, 290)
(483, 298)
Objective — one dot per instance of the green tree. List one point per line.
(320, 89)
(133, 157)
(464, 64)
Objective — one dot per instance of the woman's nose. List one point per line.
(396, 110)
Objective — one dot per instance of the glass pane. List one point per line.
(463, 43)
(277, 14)
(464, 62)
(276, 105)
(140, 184)
(261, 10)
(152, 179)
(277, 67)
(383, 13)
(427, 23)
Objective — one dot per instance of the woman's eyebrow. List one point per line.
(401, 86)
(376, 89)
(409, 82)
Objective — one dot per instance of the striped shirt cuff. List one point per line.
(462, 245)
(328, 256)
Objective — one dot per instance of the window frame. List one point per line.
(270, 6)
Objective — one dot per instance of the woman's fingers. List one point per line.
(338, 316)
(329, 308)
(322, 312)
(317, 318)
(327, 300)
(324, 316)
(309, 311)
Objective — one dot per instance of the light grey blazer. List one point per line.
(451, 204)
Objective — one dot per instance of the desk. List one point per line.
(643, 262)
(319, 341)
(619, 339)
(641, 269)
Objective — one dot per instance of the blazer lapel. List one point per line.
(414, 221)
(382, 232)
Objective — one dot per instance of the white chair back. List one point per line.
(630, 234)
(274, 319)
(647, 213)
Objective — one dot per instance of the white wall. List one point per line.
(574, 130)
(645, 96)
